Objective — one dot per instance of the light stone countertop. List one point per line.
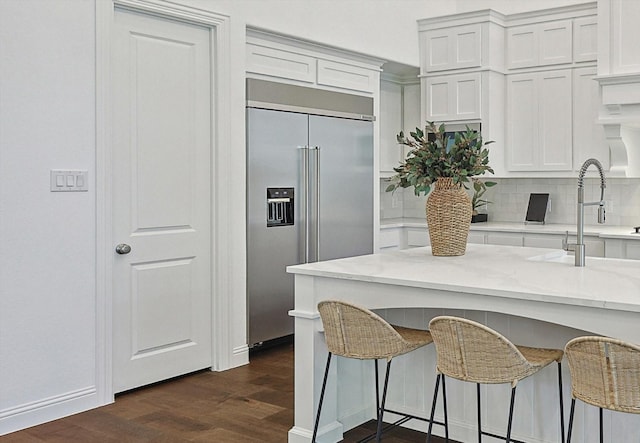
(497, 271)
(603, 231)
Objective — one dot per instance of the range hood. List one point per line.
(620, 117)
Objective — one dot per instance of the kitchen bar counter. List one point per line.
(514, 282)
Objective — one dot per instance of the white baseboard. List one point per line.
(31, 414)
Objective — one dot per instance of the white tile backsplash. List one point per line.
(510, 198)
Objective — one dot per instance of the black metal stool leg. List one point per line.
(479, 413)
(561, 402)
(573, 407)
(513, 398)
(601, 433)
(433, 407)
(384, 398)
(324, 385)
(444, 402)
(377, 381)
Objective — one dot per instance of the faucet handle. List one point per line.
(565, 243)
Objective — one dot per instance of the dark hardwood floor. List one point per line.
(250, 404)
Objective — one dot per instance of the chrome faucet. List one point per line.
(579, 246)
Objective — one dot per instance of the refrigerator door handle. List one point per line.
(316, 191)
(304, 201)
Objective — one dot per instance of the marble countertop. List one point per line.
(604, 231)
(498, 271)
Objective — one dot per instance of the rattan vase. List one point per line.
(448, 218)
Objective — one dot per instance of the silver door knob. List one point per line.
(123, 248)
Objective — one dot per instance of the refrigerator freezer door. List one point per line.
(345, 152)
(273, 161)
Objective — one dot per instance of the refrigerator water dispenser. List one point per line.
(279, 207)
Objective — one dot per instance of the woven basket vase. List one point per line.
(448, 218)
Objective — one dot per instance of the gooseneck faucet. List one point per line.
(579, 246)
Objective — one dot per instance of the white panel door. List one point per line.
(161, 199)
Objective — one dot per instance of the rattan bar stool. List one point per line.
(355, 332)
(605, 372)
(472, 352)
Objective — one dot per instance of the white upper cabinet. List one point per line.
(452, 97)
(452, 48)
(539, 44)
(539, 121)
(525, 77)
(284, 59)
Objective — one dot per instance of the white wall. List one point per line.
(47, 263)
(47, 121)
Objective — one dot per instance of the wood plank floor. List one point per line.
(250, 404)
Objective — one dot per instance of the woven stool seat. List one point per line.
(605, 372)
(355, 332)
(472, 352)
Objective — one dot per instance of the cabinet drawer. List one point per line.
(543, 241)
(278, 63)
(506, 239)
(633, 250)
(476, 237)
(417, 237)
(389, 238)
(346, 76)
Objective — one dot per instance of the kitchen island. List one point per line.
(533, 296)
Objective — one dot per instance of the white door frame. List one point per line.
(221, 225)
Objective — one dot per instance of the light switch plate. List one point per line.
(69, 181)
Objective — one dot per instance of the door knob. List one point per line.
(123, 248)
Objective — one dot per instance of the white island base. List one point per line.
(535, 297)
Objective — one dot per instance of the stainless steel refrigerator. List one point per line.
(309, 198)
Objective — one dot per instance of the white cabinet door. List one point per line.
(522, 44)
(589, 140)
(621, 51)
(555, 43)
(539, 121)
(452, 97)
(539, 44)
(346, 76)
(390, 125)
(522, 122)
(411, 108)
(555, 122)
(585, 39)
(452, 48)
(283, 64)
